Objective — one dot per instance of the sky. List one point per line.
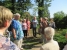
(56, 5)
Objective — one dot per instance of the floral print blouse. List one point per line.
(6, 44)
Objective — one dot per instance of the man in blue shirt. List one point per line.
(17, 30)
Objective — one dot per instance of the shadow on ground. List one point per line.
(30, 42)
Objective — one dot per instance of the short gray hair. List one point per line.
(49, 32)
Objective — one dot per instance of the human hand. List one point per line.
(14, 36)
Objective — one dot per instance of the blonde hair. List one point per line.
(5, 14)
(49, 32)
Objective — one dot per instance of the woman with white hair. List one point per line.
(24, 27)
(50, 43)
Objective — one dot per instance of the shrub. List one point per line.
(60, 37)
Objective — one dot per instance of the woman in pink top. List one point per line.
(24, 27)
(28, 25)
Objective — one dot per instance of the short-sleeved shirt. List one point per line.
(18, 28)
(24, 26)
(28, 25)
(7, 44)
(35, 22)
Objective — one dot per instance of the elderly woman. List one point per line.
(50, 44)
(52, 23)
(24, 27)
(5, 21)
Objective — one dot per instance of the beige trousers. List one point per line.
(18, 43)
(43, 38)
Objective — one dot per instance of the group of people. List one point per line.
(27, 25)
(19, 28)
(43, 24)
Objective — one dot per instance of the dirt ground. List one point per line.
(32, 43)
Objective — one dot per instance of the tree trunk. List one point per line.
(13, 5)
(40, 11)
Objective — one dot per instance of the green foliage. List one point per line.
(60, 37)
(43, 7)
(17, 6)
(59, 19)
(24, 4)
(59, 15)
(26, 15)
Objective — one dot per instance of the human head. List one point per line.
(45, 18)
(49, 33)
(34, 18)
(41, 19)
(5, 17)
(51, 20)
(24, 20)
(17, 16)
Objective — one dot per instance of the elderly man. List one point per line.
(17, 30)
(34, 26)
(50, 44)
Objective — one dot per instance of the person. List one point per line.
(34, 26)
(5, 21)
(28, 26)
(43, 26)
(40, 26)
(17, 32)
(24, 27)
(47, 21)
(52, 23)
(65, 47)
(50, 43)
(40, 29)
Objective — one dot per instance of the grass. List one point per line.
(30, 42)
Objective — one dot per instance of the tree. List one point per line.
(24, 4)
(19, 6)
(26, 15)
(43, 7)
(59, 19)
